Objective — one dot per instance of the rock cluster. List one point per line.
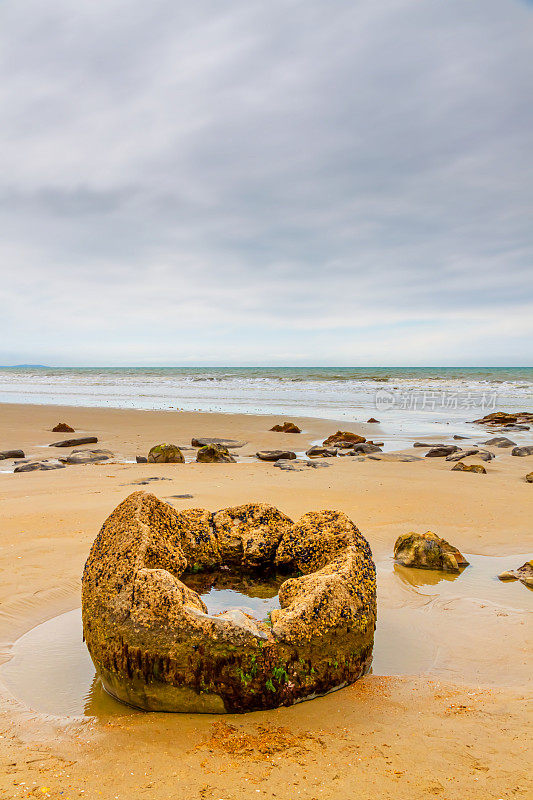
(154, 644)
(428, 551)
(505, 419)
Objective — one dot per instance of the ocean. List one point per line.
(409, 401)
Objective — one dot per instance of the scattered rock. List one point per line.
(529, 477)
(373, 420)
(320, 452)
(146, 481)
(424, 444)
(523, 574)
(515, 427)
(180, 497)
(62, 427)
(45, 464)
(75, 442)
(87, 456)
(141, 459)
(343, 439)
(11, 454)
(214, 454)
(365, 447)
(287, 427)
(500, 441)
(165, 454)
(456, 436)
(460, 467)
(299, 465)
(228, 443)
(442, 450)
(393, 457)
(505, 418)
(275, 455)
(428, 551)
(522, 451)
(472, 451)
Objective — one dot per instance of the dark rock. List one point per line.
(141, 459)
(228, 443)
(62, 427)
(165, 454)
(11, 454)
(373, 420)
(428, 551)
(485, 455)
(275, 455)
(442, 450)
(461, 437)
(87, 456)
(75, 442)
(522, 451)
(392, 457)
(299, 465)
(214, 454)
(321, 452)
(529, 477)
(180, 497)
(523, 574)
(500, 441)
(45, 464)
(515, 427)
(460, 467)
(287, 427)
(365, 447)
(343, 439)
(424, 444)
(473, 451)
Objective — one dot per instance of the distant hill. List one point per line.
(26, 366)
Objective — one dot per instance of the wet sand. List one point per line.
(445, 711)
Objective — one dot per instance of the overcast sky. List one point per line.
(282, 182)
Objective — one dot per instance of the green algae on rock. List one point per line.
(165, 454)
(155, 646)
(428, 551)
(214, 454)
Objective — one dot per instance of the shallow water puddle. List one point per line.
(51, 671)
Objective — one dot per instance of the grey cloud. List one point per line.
(291, 161)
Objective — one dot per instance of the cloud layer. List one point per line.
(286, 182)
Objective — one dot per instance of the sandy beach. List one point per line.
(445, 711)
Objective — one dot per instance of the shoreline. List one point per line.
(468, 634)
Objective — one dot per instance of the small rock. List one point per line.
(469, 468)
(500, 441)
(214, 454)
(11, 454)
(87, 456)
(428, 551)
(442, 450)
(515, 427)
(522, 451)
(373, 420)
(62, 427)
(523, 574)
(75, 442)
(275, 455)
(46, 464)
(343, 439)
(165, 454)
(366, 447)
(321, 452)
(141, 459)
(228, 443)
(287, 427)
(393, 457)
(424, 444)
(461, 437)
(463, 454)
(529, 477)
